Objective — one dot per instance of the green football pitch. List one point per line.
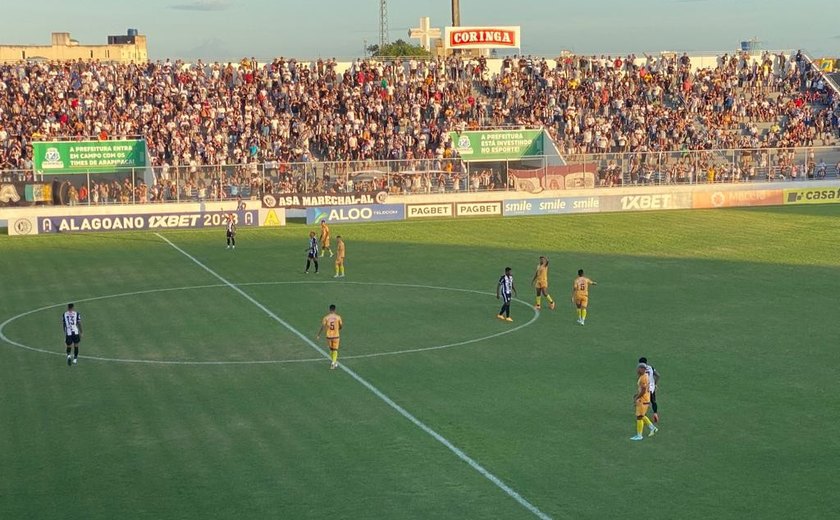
(202, 393)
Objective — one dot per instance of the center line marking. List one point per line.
(378, 393)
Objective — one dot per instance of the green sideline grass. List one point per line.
(736, 308)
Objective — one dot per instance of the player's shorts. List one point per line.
(230, 234)
(72, 339)
(582, 301)
(325, 244)
(541, 285)
(339, 260)
(506, 297)
(333, 343)
(641, 408)
(312, 254)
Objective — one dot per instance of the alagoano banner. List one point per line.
(497, 145)
(67, 157)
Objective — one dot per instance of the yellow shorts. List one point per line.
(541, 285)
(325, 244)
(339, 260)
(333, 343)
(641, 408)
(581, 301)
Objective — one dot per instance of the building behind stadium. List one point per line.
(127, 48)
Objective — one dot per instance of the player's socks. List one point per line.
(75, 352)
(640, 425)
(647, 422)
(334, 356)
(316, 266)
(342, 270)
(307, 265)
(583, 315)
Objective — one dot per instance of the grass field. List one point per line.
(210, 401)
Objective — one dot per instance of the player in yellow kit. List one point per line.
(641, 400)
(332, 325)
(580, 295)
(339, 257)
(325, 238)
(540, 283)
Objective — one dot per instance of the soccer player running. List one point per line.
(580, 295)
(332, 325)
(540, 283)
(339, 257)
(71, 322)
(653, 379)
(506, 290)
(641, 400)
(231, 231)
(312, 253)
(325, 238)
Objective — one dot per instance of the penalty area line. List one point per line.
(375, 391)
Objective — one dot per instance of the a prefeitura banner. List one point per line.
(497, 145)
(67, 157)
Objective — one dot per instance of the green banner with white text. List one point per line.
(67, 157)
(497, 145)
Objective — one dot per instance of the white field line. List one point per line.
(390, 402)
(10, 341)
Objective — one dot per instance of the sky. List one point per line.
(232, 29)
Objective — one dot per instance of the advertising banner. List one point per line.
(429, 210)
(497, 145)
(368, 213)
(646, 202)
(145, 221)
(812, 196)
(25, 193)
(522, 207)
(505, 37)
(737, 198)
(306, 200)
(66, 157)
(478, 209)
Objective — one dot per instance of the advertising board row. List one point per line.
(359, 213)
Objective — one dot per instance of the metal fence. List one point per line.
(441, 175)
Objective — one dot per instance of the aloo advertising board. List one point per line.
(506, 37)
(365, 213)
(67, 157)
(497, 145)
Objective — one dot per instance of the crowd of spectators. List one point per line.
(194, 116)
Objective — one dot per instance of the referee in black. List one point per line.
(505, 290)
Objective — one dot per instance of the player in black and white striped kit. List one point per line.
(653, 378)
(71, 322)
(231, 231)
(506, 290)
(312, 252)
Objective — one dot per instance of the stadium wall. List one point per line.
(31, 221)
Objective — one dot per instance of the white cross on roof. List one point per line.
(424, 33)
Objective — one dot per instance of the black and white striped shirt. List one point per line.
(313, 246)
(506, 285)
(71, 322)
